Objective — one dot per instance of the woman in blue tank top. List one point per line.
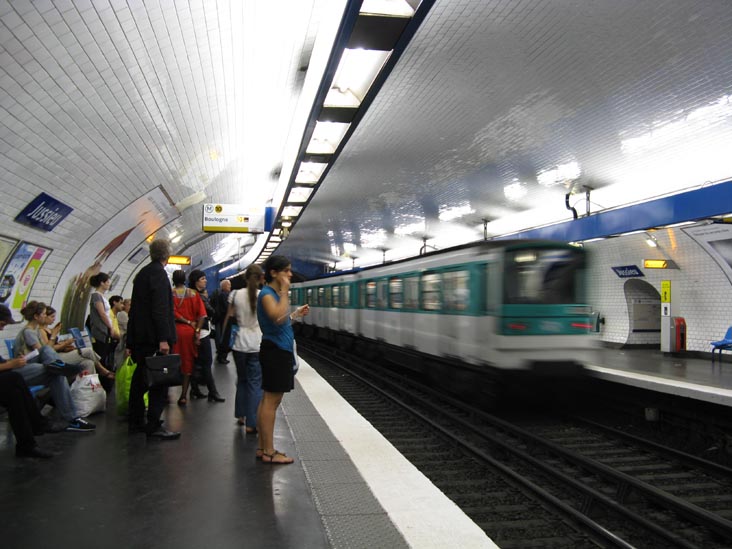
(276, 352)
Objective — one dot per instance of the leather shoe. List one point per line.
(34, 452)
(198, 394)
(215, 397)
(164, 434)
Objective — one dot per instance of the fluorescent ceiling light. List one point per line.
(559, 174)
(395, 8)
(515, 191)
(291, 211)
(326, 137)
(299, 194)
(410, 228)
(286, 224)
(450, 213)
(310, 172)
(176, 239)
(356, 72)
(651, 241)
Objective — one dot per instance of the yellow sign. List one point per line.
(179, 260)
(231, 218)
(654, 263)
(665, 291)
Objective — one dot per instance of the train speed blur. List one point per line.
(514, 305)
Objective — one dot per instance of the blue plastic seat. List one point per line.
(10, 344)
(722, 345)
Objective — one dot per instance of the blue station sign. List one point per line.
(44, 212)
(627, 271)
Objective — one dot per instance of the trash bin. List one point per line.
(678, 334)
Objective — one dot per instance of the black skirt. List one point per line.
(277, 374)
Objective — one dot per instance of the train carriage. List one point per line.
(514, 305)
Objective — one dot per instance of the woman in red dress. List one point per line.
(189, 315)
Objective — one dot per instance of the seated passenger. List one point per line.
(46, 368)
(85, 358)
(25, 419)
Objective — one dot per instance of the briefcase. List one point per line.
(163, 370)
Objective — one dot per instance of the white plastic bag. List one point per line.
(88, 395)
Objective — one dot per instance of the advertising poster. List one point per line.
(20, 274)
(716, 239)
(6, 247)
(106, 249)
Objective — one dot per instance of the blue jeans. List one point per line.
(36, 374)
(248, 386)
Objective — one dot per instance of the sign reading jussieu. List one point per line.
(231, 218)
(627, 271)
(44, 212)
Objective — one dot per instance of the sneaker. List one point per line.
(57, 367)
(163, 434)
(81, 426)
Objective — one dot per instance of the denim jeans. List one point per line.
(248, 386)
(36, 374)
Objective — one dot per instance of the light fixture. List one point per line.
(179, 260)
(326, 137)
(356, 72)
(310, 172)
(394, 8)
(651, 241)
(299, 194)
(659, 264)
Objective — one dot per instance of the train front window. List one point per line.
(543, 276)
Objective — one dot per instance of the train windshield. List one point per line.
(543, 276)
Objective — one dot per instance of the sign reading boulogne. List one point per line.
(627, 271)
(44, 212)
(231, 218)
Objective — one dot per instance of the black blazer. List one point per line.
(151, 313)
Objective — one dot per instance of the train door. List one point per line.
(427, 324)
(410, 305)
(335, 310)
(395, 316)
(348, 311)
(385, 325)
(456, 323)
(368, 309)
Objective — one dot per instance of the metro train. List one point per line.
(511, 305)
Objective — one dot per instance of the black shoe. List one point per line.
(198, 394)
(34, 452)
(215, 397)
(222, 360)
(163, 434)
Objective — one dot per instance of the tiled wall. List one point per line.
(700, 291)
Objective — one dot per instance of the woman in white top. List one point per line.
(243, 306)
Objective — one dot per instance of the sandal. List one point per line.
(272, 458)
(259, 453)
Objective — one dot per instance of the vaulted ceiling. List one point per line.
(494, 111)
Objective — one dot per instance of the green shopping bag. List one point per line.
(123, 381)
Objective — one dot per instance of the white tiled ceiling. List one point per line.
(493, 97)
(103, 100)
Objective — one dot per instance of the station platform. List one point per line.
(348, 487)
(680, 375)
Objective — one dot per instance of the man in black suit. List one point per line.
(150, 330)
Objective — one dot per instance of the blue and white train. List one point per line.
(506, 305)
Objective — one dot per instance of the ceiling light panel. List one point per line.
(310, 172)
(356, 72)
(326, 137)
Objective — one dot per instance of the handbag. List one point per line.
(163, 370)
(88, 395)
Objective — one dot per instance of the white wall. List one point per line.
(700, 291)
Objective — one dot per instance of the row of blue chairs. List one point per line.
(722, 345)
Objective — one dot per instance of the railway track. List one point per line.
(533, 481)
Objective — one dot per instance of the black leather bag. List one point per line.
(163, 370)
